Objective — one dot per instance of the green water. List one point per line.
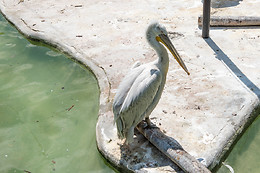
(245, 156)
(48, 110)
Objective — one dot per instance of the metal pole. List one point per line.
(206, 18)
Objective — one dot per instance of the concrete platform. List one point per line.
(204, 112)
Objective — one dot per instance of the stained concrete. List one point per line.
(204, 112)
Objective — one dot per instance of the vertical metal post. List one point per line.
(206, 18)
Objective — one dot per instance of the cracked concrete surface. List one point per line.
(204, 112)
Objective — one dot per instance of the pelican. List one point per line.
(141, 89)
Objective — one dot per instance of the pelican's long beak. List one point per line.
(167, 42)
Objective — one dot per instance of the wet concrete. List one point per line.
(204, 112)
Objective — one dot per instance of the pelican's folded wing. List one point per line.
(140, 96)
(124, 88)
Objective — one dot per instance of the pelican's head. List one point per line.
(157, 33)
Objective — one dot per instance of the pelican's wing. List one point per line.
(124, 88)
(140, 95)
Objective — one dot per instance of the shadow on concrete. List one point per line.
(142, 154)
(224, 3)
(233, 68)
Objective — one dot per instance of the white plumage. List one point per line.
(141, 89)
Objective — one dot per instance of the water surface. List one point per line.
(245, 156)
(48, 110)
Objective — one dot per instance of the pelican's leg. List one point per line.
(130, 136)
(128, 144)
(149, 123)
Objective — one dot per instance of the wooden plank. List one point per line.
(223, 21)
(172, 149)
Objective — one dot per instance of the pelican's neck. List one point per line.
(162, 62)
(163, 59)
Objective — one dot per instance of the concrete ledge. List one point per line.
(204, 112)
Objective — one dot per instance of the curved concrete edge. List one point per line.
(71, 52)
(105, 104)
(148, 158)
(220, 156)
(74, 54)
(142, 158)
(110, 146)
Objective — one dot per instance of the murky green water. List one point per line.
(245, 156)
(48, 110)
